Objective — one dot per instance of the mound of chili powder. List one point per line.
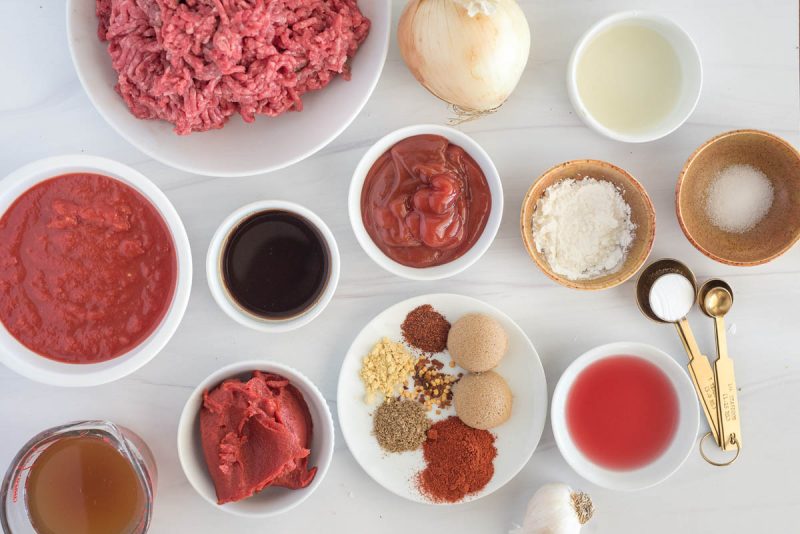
(460, 461)
(426, 329)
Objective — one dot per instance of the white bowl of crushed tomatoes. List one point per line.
(95, 270)
(239, 148)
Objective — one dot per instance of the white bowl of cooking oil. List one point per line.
(635, 76)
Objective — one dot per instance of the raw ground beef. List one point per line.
(195, 63)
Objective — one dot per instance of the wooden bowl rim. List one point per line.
(619, 277)
(682, 180)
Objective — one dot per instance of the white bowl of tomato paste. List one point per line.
(263, 460)
(95, 270)
(425, 202)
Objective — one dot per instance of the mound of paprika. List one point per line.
(459, 461)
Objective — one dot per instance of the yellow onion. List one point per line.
(469, 53)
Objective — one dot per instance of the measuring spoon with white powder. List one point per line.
(666, 292)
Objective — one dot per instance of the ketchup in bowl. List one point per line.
(425, 202)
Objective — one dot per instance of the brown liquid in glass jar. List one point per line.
(276, 264)
(84, 485)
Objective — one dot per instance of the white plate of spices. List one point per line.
(422, 420)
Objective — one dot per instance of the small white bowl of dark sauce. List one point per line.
(273, 265)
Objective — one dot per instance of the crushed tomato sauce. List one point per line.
(87, 268)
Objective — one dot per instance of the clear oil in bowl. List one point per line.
(629, 78)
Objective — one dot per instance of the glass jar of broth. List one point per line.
(88, 477)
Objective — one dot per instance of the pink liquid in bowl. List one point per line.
(622, 412)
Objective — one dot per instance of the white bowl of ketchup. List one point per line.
(36, 366)
(625, 416)
(479, 246)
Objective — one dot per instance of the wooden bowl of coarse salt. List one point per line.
(738, 197)
(588, 224)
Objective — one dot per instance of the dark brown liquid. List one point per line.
(83, 485)
(276, 264)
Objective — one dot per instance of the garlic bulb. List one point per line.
(556, 509)
(469, 53)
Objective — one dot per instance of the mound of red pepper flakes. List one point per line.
(459, 461)
(426, 329)
(432, 387)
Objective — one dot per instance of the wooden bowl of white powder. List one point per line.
(738, 197)
(588, 224)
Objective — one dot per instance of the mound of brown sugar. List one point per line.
(477, 342)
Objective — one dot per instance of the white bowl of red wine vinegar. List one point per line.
(273, 265)
(625, 416)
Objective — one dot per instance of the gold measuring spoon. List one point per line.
(716, 300)
(700, 370)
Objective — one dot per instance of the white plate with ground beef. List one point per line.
(229, 88)
(515, 440)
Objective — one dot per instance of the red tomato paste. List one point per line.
(256, 434)
(87, 268)
(425, 202)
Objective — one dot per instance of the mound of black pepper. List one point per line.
(400, 425)
(426, 329)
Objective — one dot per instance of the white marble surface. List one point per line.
(750, 54)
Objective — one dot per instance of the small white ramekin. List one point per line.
(664, 466)
(691, 67)
(271, 501)
(31, 365)
(489, 232)
(217, 285)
